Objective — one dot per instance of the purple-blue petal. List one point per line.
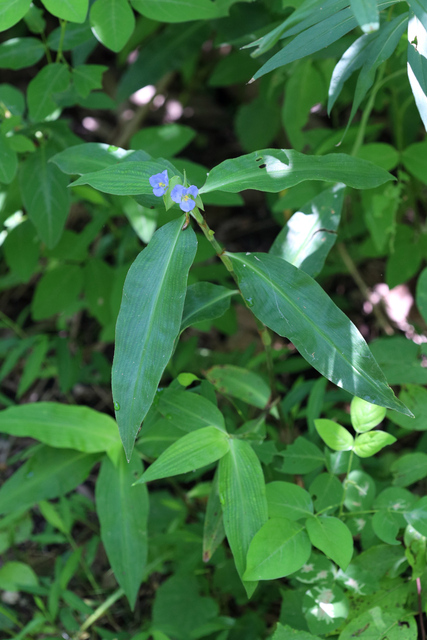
(187, 205)
(192, 191)
(177, 193)
(159, 191)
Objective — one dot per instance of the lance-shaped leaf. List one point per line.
(417, 62)
(213, 530)
(123, 511)
(292, 304)
(380, 49)
(148, 323)
(351, 60)
(273, 170)
(195, 450)
(310, 234)
(205, 301)
(129, 178)
(244, 503)
(89, 157)
(366, 13)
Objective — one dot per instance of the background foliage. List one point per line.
(280, 504)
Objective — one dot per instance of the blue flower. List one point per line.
(160, 183)
(186, 198)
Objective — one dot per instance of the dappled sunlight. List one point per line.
(275, 167)
(398, 303)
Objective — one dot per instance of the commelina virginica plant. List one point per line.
(285, 456)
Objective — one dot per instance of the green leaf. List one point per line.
(194, 450)
(240, 383)
(419, 9)
(33, 364)
(325, 608)
(316, 37)
(351, 60)
(292, 304)
(123, 511)
(302, 456)
(112, 22)
(415, 398)
(87, 77)
(310, 234)
(148, 323)
(183, 10)
(366, 14)
(417, 60)
(278, 549)
(48, 474)
(380, 49)
(274, 170)
(365, 416)
(243, 500)
(98, 276)
(21, 250)
(377, 624)
(16, 576)
(189, 411)
(334, 435)
(53, 78)
(360, 491)
(368, 444)
(88, 158)
(417, 516)
(213, 530)
(45, 196)
(287, 500)
(421, 293)
(60, 425)
(383, 155)
(57, 290)
(327, 492)
(127, 178)
(284, 632)
(414, 160)
(11, 12)
(205, 301)
(386, 527)
(166, 140)
(409, 469)
(400, 359)
(333, 537)
(8, 161)
(70, 10)
(257, 123)
(19, 53)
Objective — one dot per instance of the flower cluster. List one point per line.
(185, 197)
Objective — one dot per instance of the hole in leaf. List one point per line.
(262, 166)
(258, 159)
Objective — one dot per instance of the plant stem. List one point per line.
(420, 609)
(367, 112)
(12, 325)
(364, 289)
(100, 611)
(63, 24)
(262, 329)
(344, 493)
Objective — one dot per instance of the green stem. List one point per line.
(344, 493)
(99, 612)
(12, 325)
(367, 112)
(262, 329)
(63, 24)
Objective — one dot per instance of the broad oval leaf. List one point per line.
(302, 456)
(89, 157)
(112, 22)
(74, 11)
(372, 624)
(148, 323)
(274, 170)
(417, 516)
(369, 443)
(409, 469)
(240, 383)
(183, 10)
(53, 78)
(60, 425)
(12, 12)
(287, 500)
(365, 416)
(333, 537)
(243, 500)
(278, 549)
(123, 512)
(292, 304)
(18, 53)
(194, 450)
(309, 235)
(334, 435)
